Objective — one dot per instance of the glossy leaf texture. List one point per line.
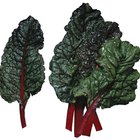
(75, 56)
(22, 67)
(115, 80)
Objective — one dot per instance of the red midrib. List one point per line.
(22, 105)
(22, 83)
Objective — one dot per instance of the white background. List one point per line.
(45, 114)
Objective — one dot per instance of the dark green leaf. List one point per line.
(21, 57)
(115, 79)
(75, 57)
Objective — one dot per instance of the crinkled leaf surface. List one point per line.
(75, 57)
(115, 79)
(22, 59)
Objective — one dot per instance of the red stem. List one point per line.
(22, 105)
(93, 118)
(22, 116)
(70, 113)
(96, 121)
(87, 114)
(83, 124)
(78, 118)
(88, 127)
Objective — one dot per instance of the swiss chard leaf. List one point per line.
(115, 79)
(84, 75)
(75, 57)
(22, 70)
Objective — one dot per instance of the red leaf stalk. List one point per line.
(22, 105)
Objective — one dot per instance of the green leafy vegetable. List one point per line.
(92, 67)
(114, 82)
(116, 63)
(22, 70)
(75, 57)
